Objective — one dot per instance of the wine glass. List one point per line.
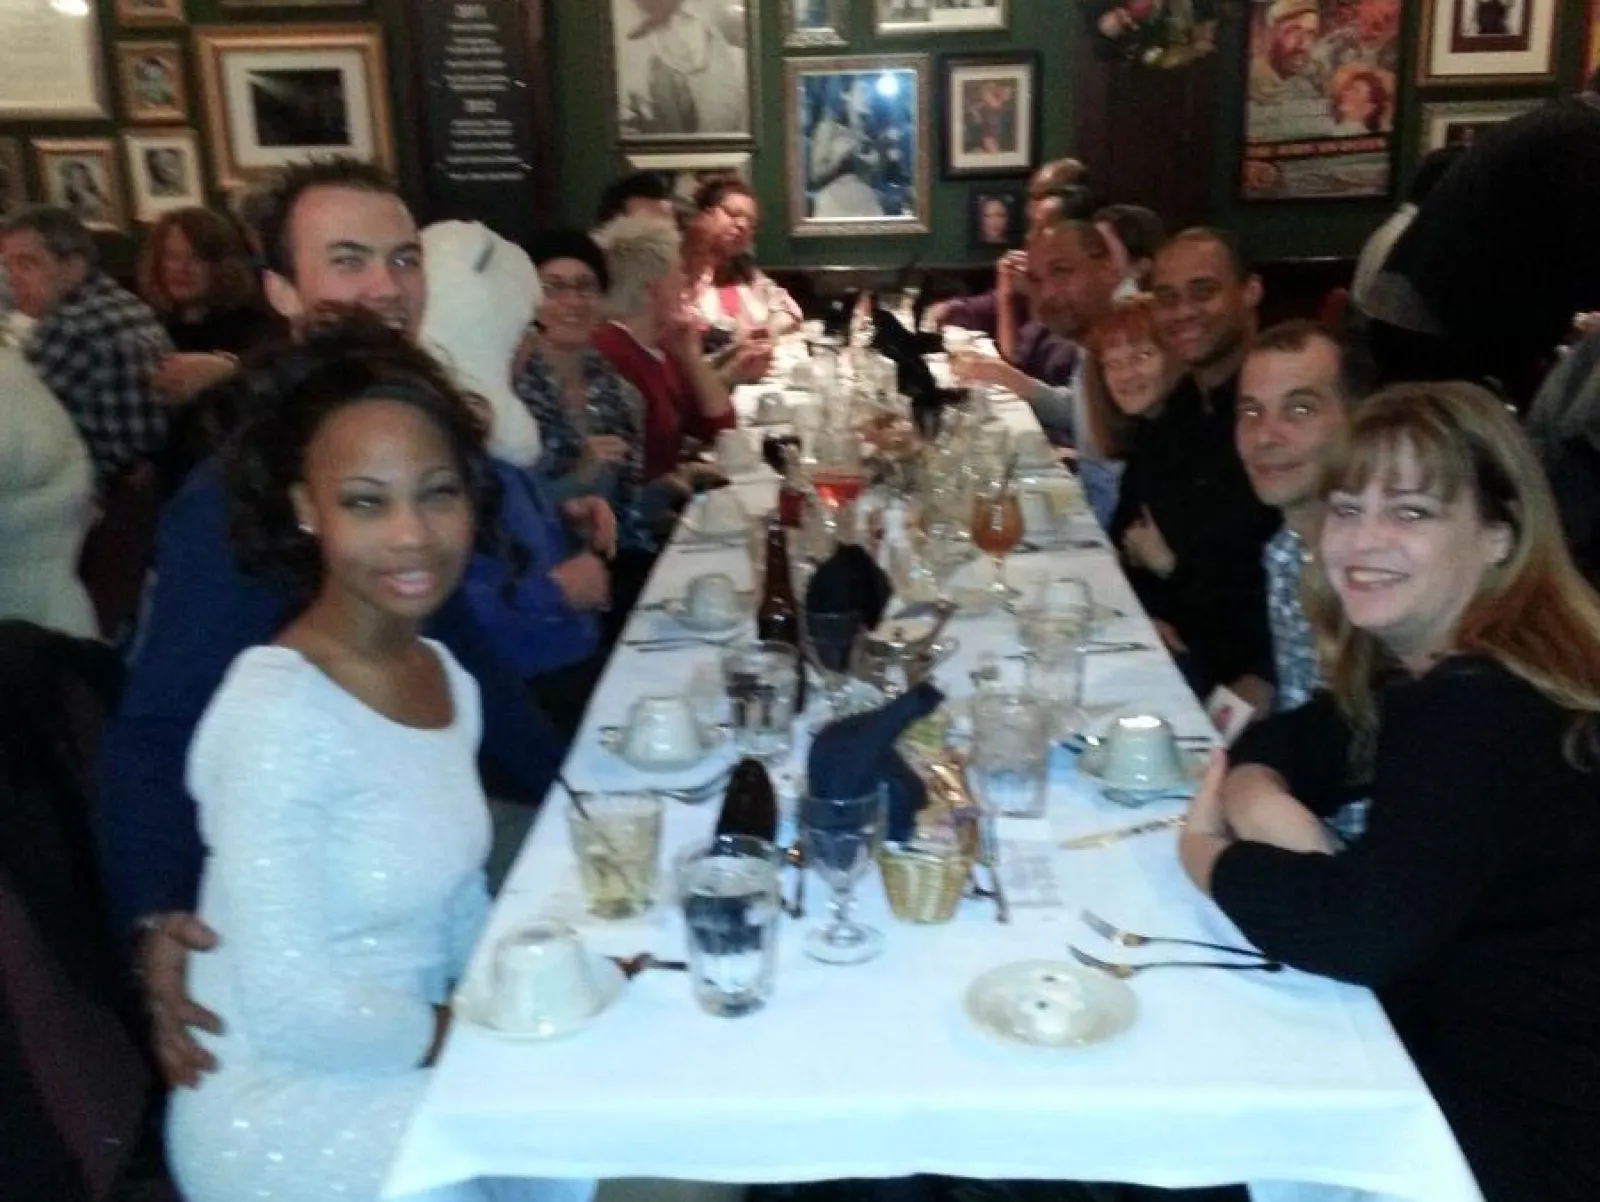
(996, 529)
(830, 639)
(836, 475)
(840, 837)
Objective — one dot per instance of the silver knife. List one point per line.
(1085, 842)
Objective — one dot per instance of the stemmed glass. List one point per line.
(837, 476)
(840, 837)
(996, 529)
(830, 639)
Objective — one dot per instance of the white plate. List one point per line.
(1091, 766)
(1049, 1004)
(678, 611)
(712, 740)
(471, 1005)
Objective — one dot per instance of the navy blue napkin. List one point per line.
(854, 755)
(850, 582)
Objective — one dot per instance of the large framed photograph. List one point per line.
(995, 218)
(1320, 101)
(49, 63)
(990, 107)
(1461, 124)
(686, 171)
(1591, 58)
(857, 134)
(277, 94)
(163, 172)
(80, 175)
(13, 177)
(149, 12)
(939, 16)
(684, 70)
(813, 24)
(151, 74)
(1487, 42)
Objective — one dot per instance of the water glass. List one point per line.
(728, 889)
(761, 680)
(617, 840)
(1055, 680)
(841, 837)
(1010, 756)
(831, 643)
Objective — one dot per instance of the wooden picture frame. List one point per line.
(164, 172)
(277, 94)
(1486, 42)
(81, 176)
(1459, 121)
(689, 80)
(858, 144)
(989, 114)
(14, 192)
(53, 73)
(152, 80)
(136, 13)
(815, 24)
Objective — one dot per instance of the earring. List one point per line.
(305, 528)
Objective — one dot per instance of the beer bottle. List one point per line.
(778, 616)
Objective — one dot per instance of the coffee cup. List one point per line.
(734, 452)
(542, 980)
(712, 599)
(661, 730)
(771, 407)
(721, 514)
(1142, 753)
(1047, 505)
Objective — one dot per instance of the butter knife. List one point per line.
(1085, 842)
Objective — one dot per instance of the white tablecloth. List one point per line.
(873, 1070)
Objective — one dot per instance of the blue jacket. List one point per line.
(202, 612)
(530, 624)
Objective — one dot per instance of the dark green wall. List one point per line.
(586, 157)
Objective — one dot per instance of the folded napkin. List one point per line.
(855, 755)
(850, 582)
(905, 350)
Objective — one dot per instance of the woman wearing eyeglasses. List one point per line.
(730, 292)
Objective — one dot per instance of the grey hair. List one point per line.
(639, 251)
(63, 234)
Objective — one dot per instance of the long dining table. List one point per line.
(1294, 1084)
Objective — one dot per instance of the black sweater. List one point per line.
(1183, 467)
(1471, 903)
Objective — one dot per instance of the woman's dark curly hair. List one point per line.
(350, 357)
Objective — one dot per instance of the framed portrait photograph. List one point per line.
(80, 175)
(688, 170)
(814, 24)
(13, 177)
(163, 172)
(151, 74)
(50, 63)
(149, 12)
(1487, 42)
(277, 94)
(857, 134)
(995, 218)
(990, 114)
(1591, 57)
(939, 16)
(683, 70)
(1460, 124)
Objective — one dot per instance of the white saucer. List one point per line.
(1091, 766)
(678, 611)
(712, 740)
(470, 1004)
(1049, 1004)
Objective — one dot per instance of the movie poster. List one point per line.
(1319, 109)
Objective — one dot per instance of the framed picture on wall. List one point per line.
(688, 170)
(1591, 59)
(151, 74)
(809, 24)
(857, 145)
(989, 106)
(163, 172)
(1487, 42)
(13, 177)
(688, 77)
(277, 94)
(149, 12)
(995, 218)
(51, 71)
(1459, 124)
(939, 16)
(80, 175)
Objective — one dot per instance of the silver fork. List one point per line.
(690, 794)
(1123, 971)
(1123, 938)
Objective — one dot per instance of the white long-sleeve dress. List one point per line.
(344, 878)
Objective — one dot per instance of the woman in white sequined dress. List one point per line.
(335, 776)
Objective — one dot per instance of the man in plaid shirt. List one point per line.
(95, 344)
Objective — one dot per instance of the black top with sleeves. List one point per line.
(1472, 904)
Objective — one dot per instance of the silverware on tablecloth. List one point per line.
(1104, 838)
(1123, 971)
(1025, 547)
(1121, 938)
(677, 643)
(690, 794)
(1103, 648)
(632, 966)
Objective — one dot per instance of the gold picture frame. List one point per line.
(153, 88)
(164, 172)
(149, 12)
(81, 176)
(278, 94)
